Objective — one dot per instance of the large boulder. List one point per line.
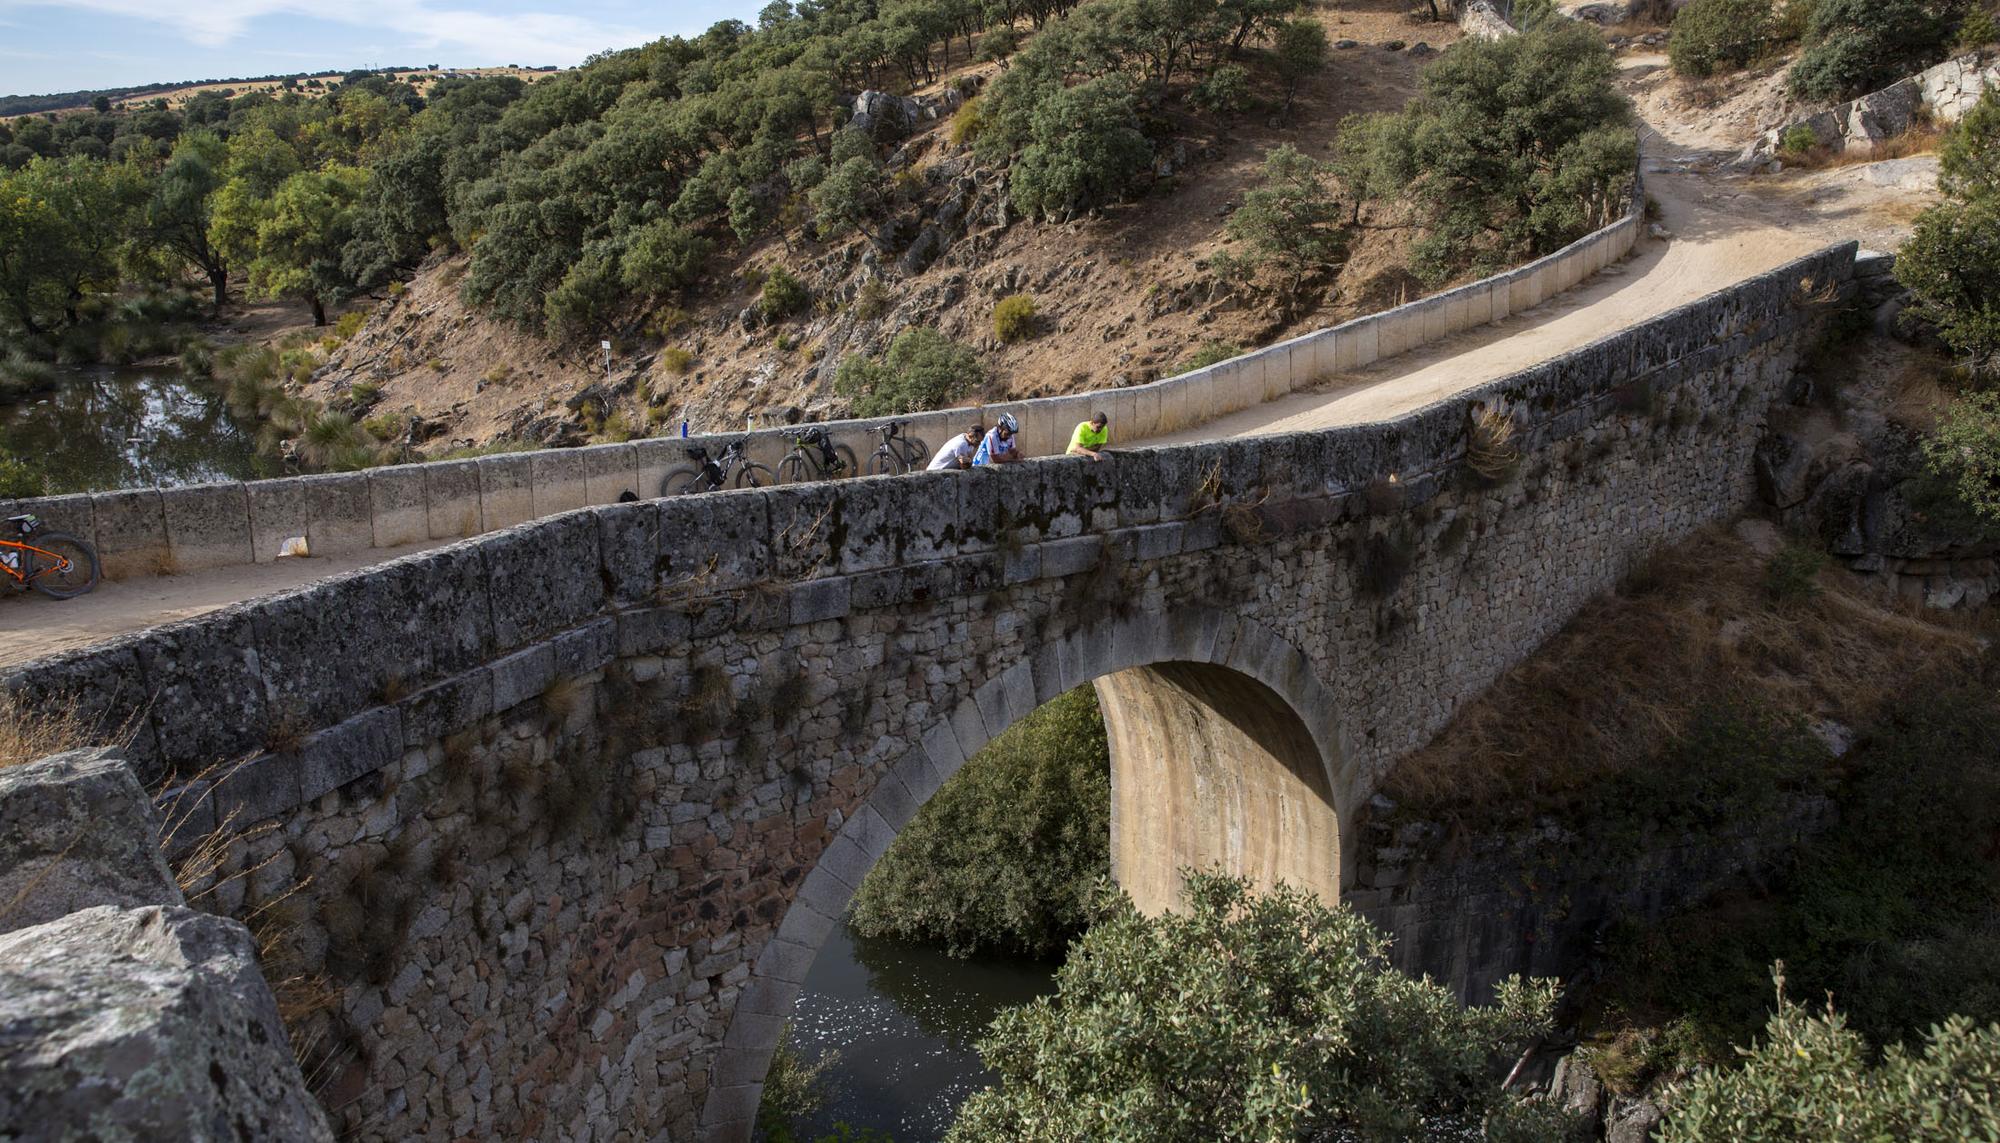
(1878, 117)
(149, 1023)
(1482, 21)
(76, 829)
(886, 116)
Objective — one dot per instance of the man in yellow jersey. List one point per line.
(1090, 437)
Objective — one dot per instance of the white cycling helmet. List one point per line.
(1007, 422)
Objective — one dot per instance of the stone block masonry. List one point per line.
(583, 796)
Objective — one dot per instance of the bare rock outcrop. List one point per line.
(76, 830)
(1482, 21)
(123, 1013)
(149, 1023)
(1945, 92)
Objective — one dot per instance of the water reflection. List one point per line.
(903, 1018)
(105, 428)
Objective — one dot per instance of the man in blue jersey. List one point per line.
(1000, 445)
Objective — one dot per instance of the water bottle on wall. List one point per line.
(684, 428)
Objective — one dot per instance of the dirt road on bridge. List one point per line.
(1717, 229)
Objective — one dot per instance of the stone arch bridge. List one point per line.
(583, 797)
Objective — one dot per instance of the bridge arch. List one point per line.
(1226, 749)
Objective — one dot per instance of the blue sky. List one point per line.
(68, 45)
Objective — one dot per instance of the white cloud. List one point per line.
(526, 37)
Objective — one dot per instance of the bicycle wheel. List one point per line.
(794, 470)
(685, 482)
(754, 475)
(848, 465)
(916, 453)
(882, 462)
(80, 574)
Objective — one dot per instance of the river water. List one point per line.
(904, 1018)
(135, 427)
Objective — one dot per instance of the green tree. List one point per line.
(923, 369)
(847, 198)
(662, 257)
(1715, 35)
(1247, 1017)
(1085, 149)
(1964, 452)
(1005, 856)
(1951, 262)
(1856, 46)
(1244, 17)
(1512, 148)
(258, 163)
(1301, 51)
(1291, 219)
(1813, 1079)
(62, 225)
(581, 303)
(291, 244)
(177, 216)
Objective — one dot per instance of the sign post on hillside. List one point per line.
(607, 358)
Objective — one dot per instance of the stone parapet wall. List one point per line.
(584, 797)
(152, 531)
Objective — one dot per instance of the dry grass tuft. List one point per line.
(52, 728)
(221, 856)
(561, 699)
(1697, 626)
(1492, 452)
(1922, 139)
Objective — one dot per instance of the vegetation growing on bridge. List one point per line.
(1005, 856)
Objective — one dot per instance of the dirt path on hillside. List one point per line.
(1719, 230)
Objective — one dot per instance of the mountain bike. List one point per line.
(710, 473)
(898, 453)
(54, 563)
(815, 456)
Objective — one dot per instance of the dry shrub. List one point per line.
(202, 864)
(1695, 628)
(1922, 139)
(1492, 452)
(561, 699)
(1243, 523)
(1208, 491)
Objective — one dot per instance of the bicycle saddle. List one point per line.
(697, 452)
(22, 524)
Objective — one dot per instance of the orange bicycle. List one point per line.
(54, 563)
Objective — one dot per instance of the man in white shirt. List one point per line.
(958, 451)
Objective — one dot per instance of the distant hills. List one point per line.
(309, 82)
